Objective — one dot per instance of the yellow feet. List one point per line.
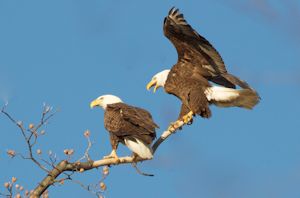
(113, 154)
(188, 117)
(174, 126)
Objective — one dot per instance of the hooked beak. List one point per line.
(151, 84)
(95, 103)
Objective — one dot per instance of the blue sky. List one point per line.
(66, 53)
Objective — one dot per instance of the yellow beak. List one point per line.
(95, 103)
(151, 84)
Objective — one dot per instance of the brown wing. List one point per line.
(190, 45)
(195, 50)
(139, 116)
(127, 121)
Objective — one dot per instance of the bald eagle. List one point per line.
(132, 126)
(198, 63)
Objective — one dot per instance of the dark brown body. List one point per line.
(125, 121)
(198, 63)
(190, 90)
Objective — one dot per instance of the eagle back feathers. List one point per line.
(127, 121)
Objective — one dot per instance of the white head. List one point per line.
(105, 100)
(158, 80)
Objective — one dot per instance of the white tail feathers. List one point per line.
(221, 94)
(138, 147)
(227, 97)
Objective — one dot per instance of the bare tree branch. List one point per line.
(95, 189)
(33, 132)
(166, 134)
(134, 165)
(86, 153)
(13, 188)
(78, 166)
(85, 166)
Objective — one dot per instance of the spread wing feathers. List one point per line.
(194, 48)
(131, 122)
(236, 81)
(191, 45)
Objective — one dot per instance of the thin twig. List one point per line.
(86, 153)
(65, 165)
(134, 165)
(27, 139)
(76, 166)
(90, 188)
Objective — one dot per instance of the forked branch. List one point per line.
(84, 166)
(77, 166)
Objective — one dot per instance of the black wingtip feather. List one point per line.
(179, 16)
(175, 12)
(171, 10)
(176, 16)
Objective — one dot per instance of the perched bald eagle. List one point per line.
(132, 126)
(198, 63)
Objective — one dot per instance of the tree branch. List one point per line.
(84, 166)
(33, 132)
(77, 166)
(166, 134)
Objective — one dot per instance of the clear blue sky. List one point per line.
(66, 53)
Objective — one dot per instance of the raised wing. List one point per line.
(191, 46)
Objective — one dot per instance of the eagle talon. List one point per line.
(187, 119)
(190, 122)
(113, 154)
(109, 157)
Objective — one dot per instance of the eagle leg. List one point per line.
(188, 117)
(113, 154)
(134, 157)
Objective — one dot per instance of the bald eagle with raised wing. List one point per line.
(198, 63)
(132, 126)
